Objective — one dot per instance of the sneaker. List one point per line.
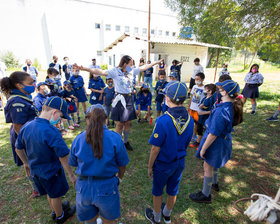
(253, 112)
(79, 120)
(76, 125)
(35, 194)
(272, 119)
(150, 216)
(194, 145)
(200, 198)
(215, 187)
(65, 206)
(128, 146)
(67, 214)
(71, 127)
(166, 219)
(139, 120)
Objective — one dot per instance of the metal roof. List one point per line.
(163, 40)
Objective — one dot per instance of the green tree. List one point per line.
(10, 60)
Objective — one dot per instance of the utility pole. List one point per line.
(149, 28)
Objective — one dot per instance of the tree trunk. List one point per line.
(253, 58)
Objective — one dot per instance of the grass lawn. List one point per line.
(254, 167)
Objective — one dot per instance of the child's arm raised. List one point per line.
(96, 71)
(153, 155)
(209, 140)
(147, 66)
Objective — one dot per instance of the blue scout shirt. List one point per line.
(207, 106)
(109, 95)
(114, 155)
(143, 100)
(172, 133)
(39, 101)
(255, 78)
(55, 87)
(56, 66)
(77, 81)
(220, 124)
(176, 68)
(96, 84)
(44, 145)
(32, 71)
(149, 72)
(123, 82)
(67, 71)
(160, 85)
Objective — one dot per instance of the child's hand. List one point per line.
(75, 66)
(202, 152)
(201, 106)
(73, 179)
(150, 173)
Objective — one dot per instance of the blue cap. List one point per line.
(176, 90)
(173, 74)
(229, 86)
(145, 86)
(41, 83)
(94, 106)
(67, 82)
(59, 104)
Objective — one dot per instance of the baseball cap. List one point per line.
(66, 82)
(41, 83)
(145, 86)
(94, 106)
(173, 74)
(230, 86)
(176, 90)
(59, 104)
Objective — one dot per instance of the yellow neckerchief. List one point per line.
(23, 97)
(180, 129)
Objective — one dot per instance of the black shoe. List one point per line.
(65, 206)
(67, 214)
(150, 216)
(200, 198)
(253, 112)
(79, 120)
(139, 120)
(128, 146)
(166, 219)
(215, 187)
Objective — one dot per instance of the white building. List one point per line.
(79, 29)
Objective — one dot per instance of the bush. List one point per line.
(104, 67)
(10, 60)
(36, 64)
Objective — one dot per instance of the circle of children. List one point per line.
(99, 154)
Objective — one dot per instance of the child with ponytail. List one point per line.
(19, 109)
(216, 145)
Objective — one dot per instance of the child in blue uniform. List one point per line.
(176, 67)
(56, 65)
(148, 77)
(68, 95)
(41, 97)
(31, 70)
(96, 86)
(100, 157)
(44, 153)
(173, 76)
(144, 102)
(53, 82)
(77, 82)
(160, 85)
(216, 145)
(67, 68)
(170, 139)
(253, 80)
(109, 94)
(19, 109)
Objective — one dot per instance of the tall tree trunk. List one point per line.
(253, 58)
(245, 59)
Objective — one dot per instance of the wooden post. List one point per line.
(149, 28)
(217, 62)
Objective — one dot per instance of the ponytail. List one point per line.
(94, 132)
(237, 107)
(7, 84)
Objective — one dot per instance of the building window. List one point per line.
(126, 29)
(99, 53)
(160, 32)
(110, 60)
(97, 25)
(152, 31)
(167, 33)
(144, 30)
(174, 34)
(108, 27)
(118, 28)
(136, 29)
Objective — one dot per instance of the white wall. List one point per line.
(42, 28)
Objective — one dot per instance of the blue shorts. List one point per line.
(143, 108)
(54, 187)
(168, 175)
(159, 106)
(98, 196)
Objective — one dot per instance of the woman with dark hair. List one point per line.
(123, 110)
(253, 80)
(19, 109)
(99, 154)
(176, 67)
